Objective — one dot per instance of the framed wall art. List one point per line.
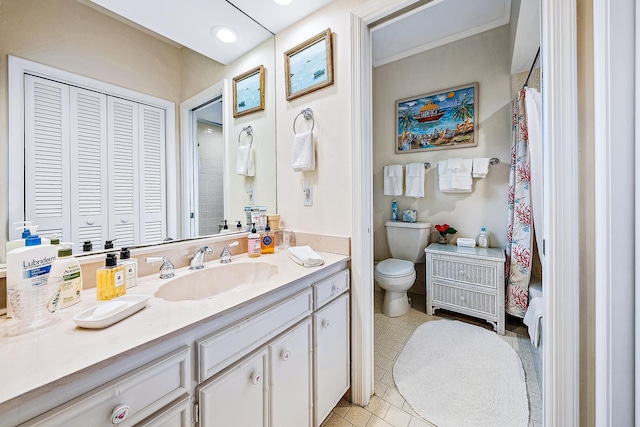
(248, 92)
(309, 66)
(438, 120)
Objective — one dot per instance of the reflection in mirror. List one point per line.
(92, 44)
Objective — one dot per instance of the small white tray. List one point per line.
(110, 312)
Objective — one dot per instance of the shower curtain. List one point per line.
(519, 237)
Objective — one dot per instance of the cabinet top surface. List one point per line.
(54, 352)
(493, 254)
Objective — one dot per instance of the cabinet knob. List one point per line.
(90, 221)
(335, 288)
(125, 220)
(325, 323)
(461, 298)
(119, 414)
(284, 355)
(461, 272)
(256, 377)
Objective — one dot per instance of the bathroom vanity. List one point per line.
(272, 353)
(466, 280)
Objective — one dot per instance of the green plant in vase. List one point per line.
(444, 230)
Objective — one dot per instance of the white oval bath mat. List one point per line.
(456, 374)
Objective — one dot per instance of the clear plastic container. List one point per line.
(34, 302)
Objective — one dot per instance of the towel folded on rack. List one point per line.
(392, 180)
(304, 157)
(245, 164)
(414, 181)
(454, 164)
(480, 167)
(455, 182)
(305, 256)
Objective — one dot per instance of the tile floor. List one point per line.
(387, 407)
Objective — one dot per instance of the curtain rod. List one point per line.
(531, 70)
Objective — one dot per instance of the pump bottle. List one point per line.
(68, 268)
(266, 242)
(253, 243)
(110, 279)
(130, 267)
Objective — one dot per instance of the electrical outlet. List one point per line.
(308, 196)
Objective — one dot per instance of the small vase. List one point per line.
(442, 239)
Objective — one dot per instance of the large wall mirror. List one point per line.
(72, 37)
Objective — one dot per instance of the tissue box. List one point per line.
(409, 215)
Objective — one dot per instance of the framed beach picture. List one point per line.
(248, 92)
(309, 66)
(438, 120)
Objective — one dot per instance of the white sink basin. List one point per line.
(215, 279)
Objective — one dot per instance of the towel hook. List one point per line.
(249, 131)
(307, 113)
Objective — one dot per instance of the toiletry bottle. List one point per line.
(32, 260)
(55, 241)
(394, 210)
(266, 243)
(239, 226)
(18, 243)
(130, 267)
(67, 267)
(87, 246)
(253, 246)
(108, 244)
(110, 279)
(483, 239)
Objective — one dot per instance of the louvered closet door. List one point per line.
(123, 179)
(152, 177)
(47, 156)
(90, 213)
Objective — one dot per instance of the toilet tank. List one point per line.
(407, 240)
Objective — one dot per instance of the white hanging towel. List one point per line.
(305, 256)
(414, 180)
(304, 157)
(455, 182)
(533, 319)
(454, 164)
(393, 180)
(480, 167)
(245, 164)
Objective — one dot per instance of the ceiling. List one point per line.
(434, 24)
(189, 22)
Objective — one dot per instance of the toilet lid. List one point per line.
(395, 267)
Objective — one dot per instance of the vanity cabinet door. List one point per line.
(331, 355)
(291, 359)
(238, 396)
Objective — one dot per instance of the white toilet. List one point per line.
(396, 275)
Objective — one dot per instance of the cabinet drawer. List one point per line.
(328, 289)
(176, 414)
(477, 301)
(217, 351)
(467, 271)
(144, 390)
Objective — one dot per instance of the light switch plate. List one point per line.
(308, 196)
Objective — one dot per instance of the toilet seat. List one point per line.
(393, 268)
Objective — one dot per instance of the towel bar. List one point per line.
(307, 113)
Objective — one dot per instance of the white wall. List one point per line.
(485, 59)
(332, 192)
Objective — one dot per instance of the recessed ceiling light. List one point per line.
(283, 2)
(224, 34)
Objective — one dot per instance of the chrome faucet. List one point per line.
(225, 255)
(166, 269)
(198, 257)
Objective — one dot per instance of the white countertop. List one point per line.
(41, 357)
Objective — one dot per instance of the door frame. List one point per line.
(561, 263)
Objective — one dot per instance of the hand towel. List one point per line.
(393, 180)
(533, 318)
(480, 167)
(455, 182)
(414, 180)
(304, 157)
(305, 256)
(245, 164)
(454, 164)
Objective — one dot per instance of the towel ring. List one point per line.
(249, 132)
(307, 113)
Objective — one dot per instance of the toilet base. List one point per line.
(395, 303)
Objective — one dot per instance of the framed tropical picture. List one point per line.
(438, 120)
(309, 66)
(248, 92)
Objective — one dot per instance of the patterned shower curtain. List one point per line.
(519, 237)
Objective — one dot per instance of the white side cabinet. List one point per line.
(466, 280)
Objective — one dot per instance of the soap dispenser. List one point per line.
(266, 242)
(130, 267)
(110, 279)
(253, 246)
